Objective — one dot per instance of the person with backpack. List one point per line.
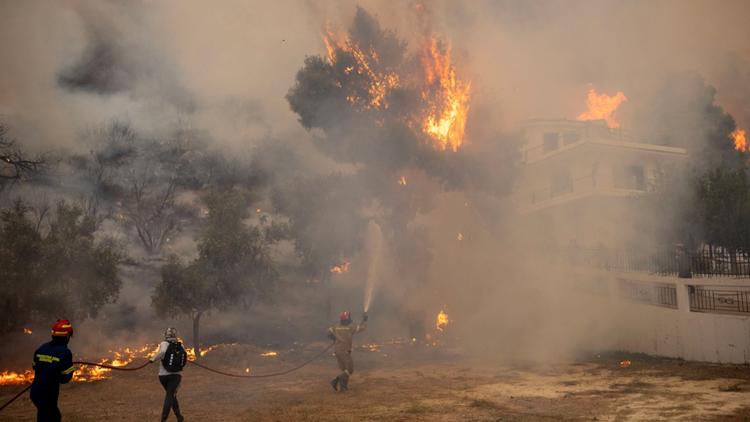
(53, 365)
(172, 358)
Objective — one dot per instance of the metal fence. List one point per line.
(719, 300)
(675, 263)
(650, 293)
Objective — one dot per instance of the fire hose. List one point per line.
(272, 374)
(101, 365)
(119, 368)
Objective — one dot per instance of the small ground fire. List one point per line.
(441, 321)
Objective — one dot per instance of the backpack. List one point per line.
(175, 357)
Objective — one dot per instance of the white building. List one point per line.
(578, 180)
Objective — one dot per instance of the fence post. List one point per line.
(683, 296)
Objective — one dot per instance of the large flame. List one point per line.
(446, 96)
(366, 63)
(442, 320)
(602, 107)
(740, 140)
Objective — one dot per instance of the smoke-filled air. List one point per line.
(374, 210)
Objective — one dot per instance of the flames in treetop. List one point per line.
(442, 320)
(444, 97)
(366, 64)
(602, 107)
(740, 140)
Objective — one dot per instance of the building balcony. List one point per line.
(547, 139)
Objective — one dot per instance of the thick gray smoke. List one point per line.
(253, 81)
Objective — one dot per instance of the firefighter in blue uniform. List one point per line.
(53, 365)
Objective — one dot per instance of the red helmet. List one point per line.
(345, 316)
(62, 328)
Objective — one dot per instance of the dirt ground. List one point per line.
(418, 384)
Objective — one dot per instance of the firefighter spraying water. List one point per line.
(342, 334)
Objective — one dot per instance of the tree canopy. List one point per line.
(53, 267)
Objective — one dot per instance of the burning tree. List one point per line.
(404, 108)
(392, 111)
(684, 113)
(234, 265)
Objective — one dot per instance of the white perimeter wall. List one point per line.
(679, 333)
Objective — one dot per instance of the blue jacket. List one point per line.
(53, 365)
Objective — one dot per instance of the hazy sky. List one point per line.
(226, 66)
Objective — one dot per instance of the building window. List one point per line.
(570, 138)
(631, 177)
(561, 184)
(551, 141)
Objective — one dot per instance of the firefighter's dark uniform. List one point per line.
(53, 365)
(343, 335)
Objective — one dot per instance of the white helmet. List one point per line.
(170, 333)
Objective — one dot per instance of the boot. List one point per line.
(335, 384)
(344, 383)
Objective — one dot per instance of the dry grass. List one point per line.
(410, 385)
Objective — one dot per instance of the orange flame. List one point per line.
(190, 351)
(13, 378)
(366, 63)
(269, 354)
(340, 269)
(442, 320)
(602, 107)
(27, 331)
(447, 97)
(740, 140)
(85, 373)
(402, 181)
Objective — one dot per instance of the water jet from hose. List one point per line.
(374, 250)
